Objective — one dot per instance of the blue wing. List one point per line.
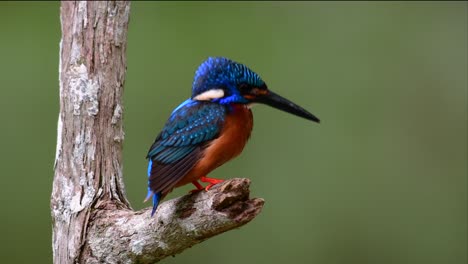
(179, 145)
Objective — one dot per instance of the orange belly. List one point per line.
(233, 137)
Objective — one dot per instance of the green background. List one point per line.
(383, 179)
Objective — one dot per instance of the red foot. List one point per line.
(212, 182)
(198, 185)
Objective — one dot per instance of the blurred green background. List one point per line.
(383, 178)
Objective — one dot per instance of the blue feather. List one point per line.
(156, 199)
(186, 102)
(189, 126)
(150, 164)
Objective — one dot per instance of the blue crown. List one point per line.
(219, 72)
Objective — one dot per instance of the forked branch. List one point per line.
(92, 219)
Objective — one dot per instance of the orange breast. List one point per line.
(233, 137)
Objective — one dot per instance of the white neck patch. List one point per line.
(209, 95)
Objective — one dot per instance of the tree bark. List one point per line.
(92, 219)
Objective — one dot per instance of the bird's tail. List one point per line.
(156, 196)
(156, 199)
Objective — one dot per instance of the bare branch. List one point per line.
(125, 236)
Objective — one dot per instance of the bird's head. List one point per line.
(225, 81)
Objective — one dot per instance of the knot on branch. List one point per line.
(232, 197)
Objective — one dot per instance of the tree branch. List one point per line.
(178, 224)
(92, 219)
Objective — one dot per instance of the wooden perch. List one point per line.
(92, 219)
(125, 236)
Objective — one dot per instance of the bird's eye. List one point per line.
(244, 88)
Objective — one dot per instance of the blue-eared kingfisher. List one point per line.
(211, 127)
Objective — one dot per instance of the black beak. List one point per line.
(281, 103)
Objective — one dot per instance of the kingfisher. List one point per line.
(210, 128)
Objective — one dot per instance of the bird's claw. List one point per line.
(212, 182)
(209, 186)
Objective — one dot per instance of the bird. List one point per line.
(210, 128)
